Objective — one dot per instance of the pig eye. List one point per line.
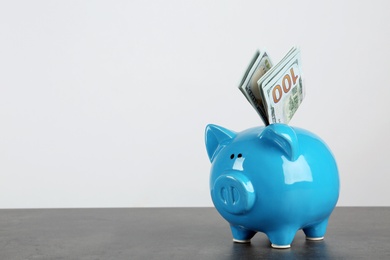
(239, 155)
(232, 156)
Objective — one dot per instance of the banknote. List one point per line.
(259, 65)
(282, 88)
(271, 72)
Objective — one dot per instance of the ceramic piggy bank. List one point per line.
(276, 180)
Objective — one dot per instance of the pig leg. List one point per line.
(317, 231)
(241, 235)
(282, 238)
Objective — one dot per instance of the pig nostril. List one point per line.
(234, 195)
(224, 195)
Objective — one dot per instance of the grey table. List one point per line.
(178, 233)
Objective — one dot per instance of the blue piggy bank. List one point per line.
(276, 180)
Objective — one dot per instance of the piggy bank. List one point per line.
(276, 180)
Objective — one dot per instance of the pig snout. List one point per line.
(233, 192)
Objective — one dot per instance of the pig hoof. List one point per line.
(315, 238)
(241, 241)
(280, 246)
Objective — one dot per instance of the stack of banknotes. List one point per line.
(275, 92)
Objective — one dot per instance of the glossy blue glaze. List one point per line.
(275, 179)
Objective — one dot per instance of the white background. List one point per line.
(104, 103)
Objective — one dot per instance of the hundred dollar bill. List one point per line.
(282, 88)
(259, 65)
(272, 72)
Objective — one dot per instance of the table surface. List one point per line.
(179, 233)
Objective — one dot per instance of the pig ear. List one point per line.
(284, 137)
(215, 137)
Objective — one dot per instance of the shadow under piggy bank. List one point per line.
(276, 180)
